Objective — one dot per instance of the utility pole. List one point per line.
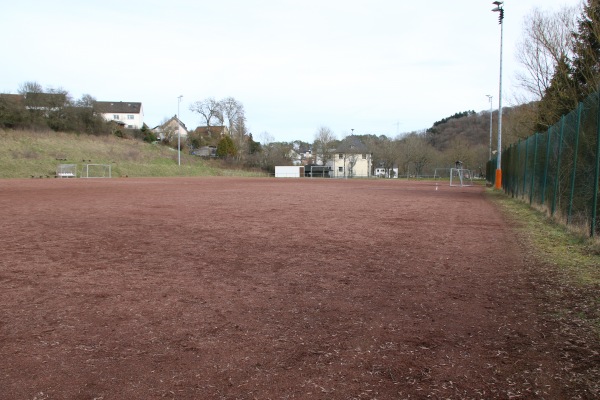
(499, 8)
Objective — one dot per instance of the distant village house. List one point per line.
(128, 115)
(171, 129)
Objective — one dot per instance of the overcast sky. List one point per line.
(377, 66)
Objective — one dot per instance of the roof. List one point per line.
(47, 100)
(352, 145)
(204, 130)
(117, 107)
(168, 123)
(12, 98)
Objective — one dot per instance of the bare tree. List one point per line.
(169, 132)
(415, 154)
(232, 110)
(385, 153)
(350, 159)
(86, 100)
(211, 111)
(547, 39)
(30, 87)
(273, 153)
(241, 138)
(323, 145)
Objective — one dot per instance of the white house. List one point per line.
(170, 129)
(382, 172)
(351, 159)
(127, 114)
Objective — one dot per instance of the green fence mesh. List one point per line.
(559, 170)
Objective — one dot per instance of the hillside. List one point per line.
(474, 128)
(24, 154)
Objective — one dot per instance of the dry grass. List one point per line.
(569, 259)
(26, 153)
(564, 265)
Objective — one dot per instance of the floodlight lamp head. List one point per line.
(496, 9)
(498, 3)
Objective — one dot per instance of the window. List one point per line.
(116, 116)
(340, 156)
(340, 169)
(130, 116)
(364, 156)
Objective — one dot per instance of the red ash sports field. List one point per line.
(227, 288)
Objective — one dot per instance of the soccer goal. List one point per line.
(66, 171)
(96, 171)
(461, 177)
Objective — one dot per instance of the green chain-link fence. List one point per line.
(559, 169)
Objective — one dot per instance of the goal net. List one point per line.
(66, 171)
(96, 171)
(461, 177)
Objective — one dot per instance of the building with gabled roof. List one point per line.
(13, 99)
(212, 131)
(170, 129)
(351, 159)
(128, 114)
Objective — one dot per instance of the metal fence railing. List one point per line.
(559, 169)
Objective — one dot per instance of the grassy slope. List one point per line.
(24, 154)
(571, 260)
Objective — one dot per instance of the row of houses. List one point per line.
(126, 114)
(350, 159)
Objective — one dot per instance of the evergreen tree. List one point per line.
(226, 148)
(559, 98)
(586, 62)
(254, 147)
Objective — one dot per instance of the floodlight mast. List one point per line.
(499, 8)
(178, 132)
(490, 97)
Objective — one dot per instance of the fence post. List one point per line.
(507, 158)
(573, 175)
(560, 142)
(526, 162)
(597, 172)
(515, 169)
(533, 167)
(548, 139)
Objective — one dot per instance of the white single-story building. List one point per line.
(295, 171)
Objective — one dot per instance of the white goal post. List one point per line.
(66, 171)
(96, 171)
(461, 177)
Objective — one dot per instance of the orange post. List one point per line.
(498, 184)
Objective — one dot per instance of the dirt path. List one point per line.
(270, 289)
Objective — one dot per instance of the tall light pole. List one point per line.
(499, 9)
(178, 131)
(490, 97)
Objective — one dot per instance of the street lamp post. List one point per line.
(178, 132)
(491, 113)
(499, 9)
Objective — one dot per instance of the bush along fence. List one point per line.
(559, 170)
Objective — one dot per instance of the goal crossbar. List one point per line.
(96, 171)
(461, 177)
